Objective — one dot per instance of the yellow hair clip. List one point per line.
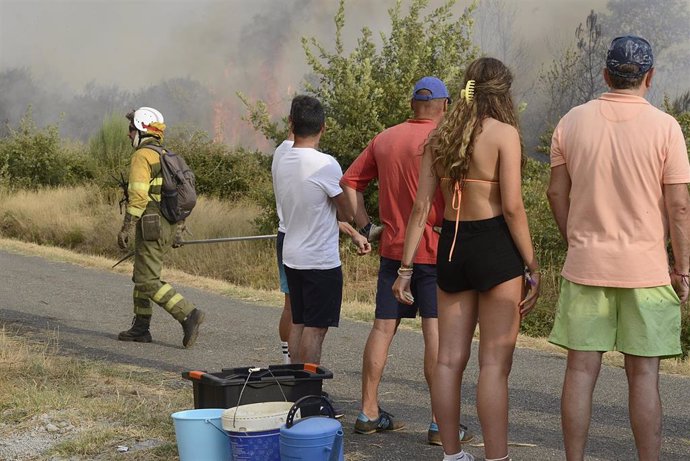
(468, 93)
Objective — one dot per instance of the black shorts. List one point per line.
(422, 286)
(484, 255)
(315, 296)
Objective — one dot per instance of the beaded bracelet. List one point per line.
(405, 272)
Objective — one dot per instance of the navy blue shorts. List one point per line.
(315, 296)
(423, 287)
(484, 255)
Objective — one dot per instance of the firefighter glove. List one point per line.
(179, 232)
(127, 227)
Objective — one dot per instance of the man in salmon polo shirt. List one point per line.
(393, 157)
(618, 190)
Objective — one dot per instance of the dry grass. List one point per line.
(105, 405)
(69, 217)
(86, 219)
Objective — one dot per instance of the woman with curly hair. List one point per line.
(485, 254)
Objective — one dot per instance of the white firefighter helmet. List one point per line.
(144, 116)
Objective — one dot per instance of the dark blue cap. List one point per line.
(629, 49)
(435, 87)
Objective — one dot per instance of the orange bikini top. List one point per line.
(457, 198)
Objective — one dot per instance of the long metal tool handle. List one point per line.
(228, 239)
(124, 258)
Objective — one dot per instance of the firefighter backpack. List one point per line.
(178, 192)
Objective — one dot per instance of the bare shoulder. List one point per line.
(499, 128)
(501, 133)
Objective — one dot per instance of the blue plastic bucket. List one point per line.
(314, 438)
(254, 430)
(254, 446)
(200, 435)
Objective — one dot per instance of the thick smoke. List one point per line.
(74, 62)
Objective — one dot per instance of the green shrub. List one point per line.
(31, 157)
(221, 172)
(367, 89)
(110, 147)
(547, 240)
(548, 245)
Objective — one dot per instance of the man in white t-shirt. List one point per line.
(308, 194)
(286, 316)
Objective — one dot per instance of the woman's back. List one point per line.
(481, 193)
(483, 250)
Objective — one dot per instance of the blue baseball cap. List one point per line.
(435, 87)
(629, 49)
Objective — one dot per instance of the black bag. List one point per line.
(178, 192)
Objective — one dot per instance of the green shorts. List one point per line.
(635, 321)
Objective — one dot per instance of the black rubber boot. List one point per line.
(139, 332)
(190, 326)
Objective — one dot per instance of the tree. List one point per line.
(574, 77)
(664, 23)
(495, 34)
(19, 91)
(85, 113)
(110, 148)
(368, 89)
(555, 81)
(679, 105)
(592, 51)
(183, 101)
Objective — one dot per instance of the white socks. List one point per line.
(286, 352)
(462, 456)
(505, 458)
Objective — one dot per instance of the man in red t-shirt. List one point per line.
(393, 157)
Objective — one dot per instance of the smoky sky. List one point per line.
(135, 43)
(248, 46)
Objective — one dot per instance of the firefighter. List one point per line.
(153, 234)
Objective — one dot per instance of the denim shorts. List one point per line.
(281, 268)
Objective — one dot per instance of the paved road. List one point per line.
(88, 307)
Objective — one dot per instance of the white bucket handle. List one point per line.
(239, 399)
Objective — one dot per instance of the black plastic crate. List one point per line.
(263, 384)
